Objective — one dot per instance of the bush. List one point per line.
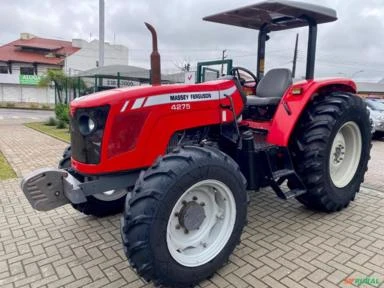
(46, 106)
(61, 124)
(51, 121)
(62, 112)
(10, 105)
(33, 105)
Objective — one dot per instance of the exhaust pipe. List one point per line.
(155, 58)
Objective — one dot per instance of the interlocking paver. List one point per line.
(236, 281)
(299, 274)
(284, 244)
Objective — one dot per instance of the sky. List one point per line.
(353, 46)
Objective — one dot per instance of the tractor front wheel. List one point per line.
(185, 217)
(331, 147)
(99, 205)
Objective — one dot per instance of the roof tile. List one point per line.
(13, 52)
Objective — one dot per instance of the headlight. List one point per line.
(87, 129)
(86, 125)
(91, 124)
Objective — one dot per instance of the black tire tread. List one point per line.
(137, 252)
(310, 141)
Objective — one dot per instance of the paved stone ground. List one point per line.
(283, 245)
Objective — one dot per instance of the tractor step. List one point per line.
(281, 170)
(268, 164)
(284, 173)
(290, 193)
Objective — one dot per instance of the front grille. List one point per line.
(87, 148)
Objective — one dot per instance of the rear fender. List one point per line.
(294, 102)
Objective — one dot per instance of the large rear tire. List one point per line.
(99, 205)
(331, 147)
(185, 217)
(378, 135)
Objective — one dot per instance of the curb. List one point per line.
(53, 136)
(27, 108)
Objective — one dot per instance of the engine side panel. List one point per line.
(152, 119)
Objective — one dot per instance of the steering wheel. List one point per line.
(236, 72)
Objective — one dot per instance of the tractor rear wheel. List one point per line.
(185, 217)
(330, 148)
(378, 135)
(99, 205)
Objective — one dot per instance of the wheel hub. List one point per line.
(345, 154)
(339, 153)
(201, 222)
(191, 216)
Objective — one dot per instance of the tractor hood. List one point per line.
(121, 96)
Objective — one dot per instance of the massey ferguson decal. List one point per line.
(181, 98)
(186, 97)
(201, 96)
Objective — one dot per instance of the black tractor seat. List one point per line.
(271, 88)
(253, 100)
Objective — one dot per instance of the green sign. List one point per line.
(29, 79)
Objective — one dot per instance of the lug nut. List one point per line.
(184, 202)
(194, 198)
(186, 231)
(177, 227)
(177, 214)
(202, 204)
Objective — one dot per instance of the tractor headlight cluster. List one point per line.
(86, 125)
(87, 129)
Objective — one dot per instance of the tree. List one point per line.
(58, 78)
(62, 83)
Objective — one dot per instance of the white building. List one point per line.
(24, 61)
(87, 56)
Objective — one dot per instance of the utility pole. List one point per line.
(101, 33)
(223, 58)
(295, 57)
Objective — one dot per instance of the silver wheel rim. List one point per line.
(345, 154)
(199, 246)
(111, 195)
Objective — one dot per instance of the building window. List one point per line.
(3, 69)
(27, 71)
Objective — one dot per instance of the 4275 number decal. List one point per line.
(178, 107)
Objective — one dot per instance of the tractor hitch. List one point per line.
(47, 189)
(50, 188)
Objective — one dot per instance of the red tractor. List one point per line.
(179, 159)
